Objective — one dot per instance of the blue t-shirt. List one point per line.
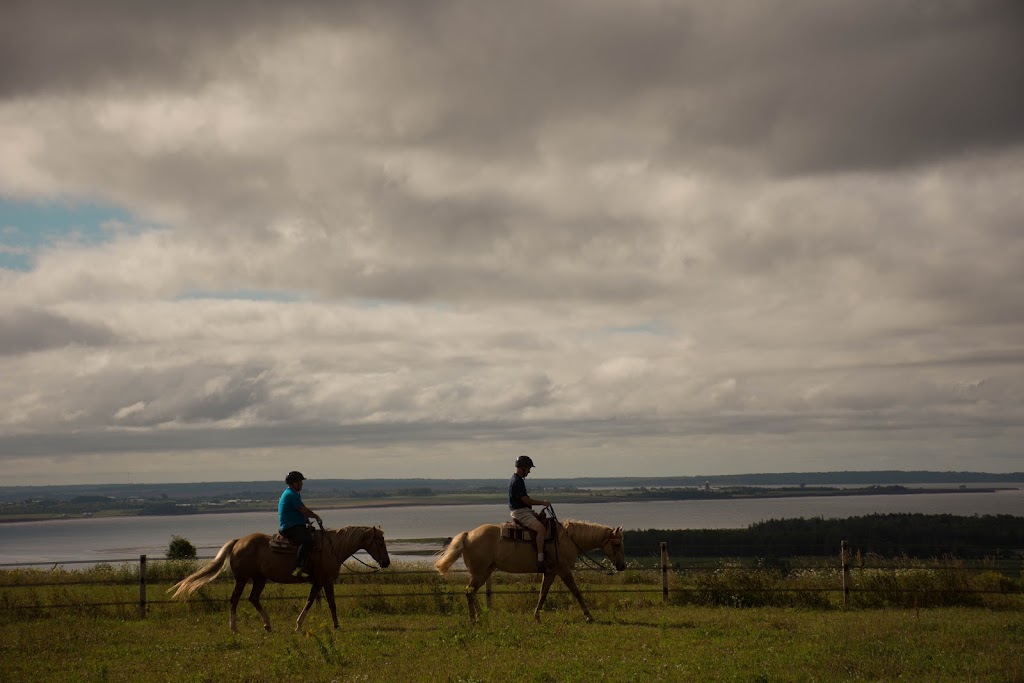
(288, 509)
(516, 491)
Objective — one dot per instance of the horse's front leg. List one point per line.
(313, 590)
(570, 581)
(258, 584)
(329, 592)
(549, 577)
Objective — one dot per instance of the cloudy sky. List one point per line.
(381, 239)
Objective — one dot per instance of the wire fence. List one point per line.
(845, 579)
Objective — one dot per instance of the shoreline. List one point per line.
(631, 496)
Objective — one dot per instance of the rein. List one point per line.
(556, 523)
(373, 568)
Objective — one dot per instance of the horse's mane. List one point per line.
(347, 534)
(586, 533)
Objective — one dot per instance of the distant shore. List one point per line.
(69, 510)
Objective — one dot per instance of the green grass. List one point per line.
(726, 624)
(653, 643)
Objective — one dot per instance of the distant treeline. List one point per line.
(887, 535)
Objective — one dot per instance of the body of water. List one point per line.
(104, 539)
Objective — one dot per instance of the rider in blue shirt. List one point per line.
(292, 516)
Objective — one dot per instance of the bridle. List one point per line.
(373, 568)
(590, 562)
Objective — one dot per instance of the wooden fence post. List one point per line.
(142, 586)
(488, 592)
(664, 571)
(844, 559)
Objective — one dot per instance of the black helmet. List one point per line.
(524, 461)
(294, 476)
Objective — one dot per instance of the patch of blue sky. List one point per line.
(655, 327)
(652, 327)
(243, 294)
(26, 228)
(372, 303)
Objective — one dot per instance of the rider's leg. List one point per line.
(539, 531)
(527, 518)
(301, 536)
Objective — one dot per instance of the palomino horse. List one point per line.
(483, 551)
(252, 559)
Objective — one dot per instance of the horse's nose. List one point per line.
(386, 563)
(621, 566)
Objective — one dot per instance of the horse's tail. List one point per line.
(451, 554)
(193, 582)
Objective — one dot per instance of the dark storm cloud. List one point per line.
(796, 86)
(25, 330)
(64, 45)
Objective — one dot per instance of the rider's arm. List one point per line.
(309, 513)
(533, 501)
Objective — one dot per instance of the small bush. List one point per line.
(181, 549)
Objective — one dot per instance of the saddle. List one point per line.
(513, 531)
(279, 543)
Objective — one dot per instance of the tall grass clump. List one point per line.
(736, 586)
(910, 583)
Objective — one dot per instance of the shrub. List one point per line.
(180, 549)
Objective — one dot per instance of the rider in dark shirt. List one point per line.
(520, 502)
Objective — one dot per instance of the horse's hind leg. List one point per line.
(258, 584)
(475, 582)
(549, 577)
(236, 595)
(570, 581)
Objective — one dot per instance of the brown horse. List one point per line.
(483, 551)
(252, 559)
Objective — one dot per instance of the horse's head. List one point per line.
(613, 548)
(373, 543)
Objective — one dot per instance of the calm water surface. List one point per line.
(124, 538)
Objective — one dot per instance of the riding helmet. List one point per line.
(524, 461)
(294, 476)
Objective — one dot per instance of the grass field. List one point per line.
(731, 624)
(645, 643)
